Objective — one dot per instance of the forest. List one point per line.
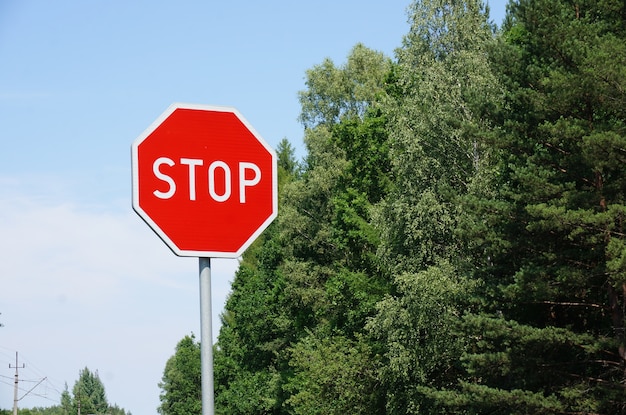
(453, 241)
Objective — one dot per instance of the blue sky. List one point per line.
(84, 282)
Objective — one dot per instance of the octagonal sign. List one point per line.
(204, 180)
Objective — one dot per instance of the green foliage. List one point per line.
(286, 157)
(348, 91)
(181, 382)
(316, 267)
(253, 339)
(437, 128)
(334, 375)
(454, 242)
(249, 393)
(288, 167)
(474, 399)
(417, 326)
(554, 285)
(366, 148)
(53, 410)
(89, 393)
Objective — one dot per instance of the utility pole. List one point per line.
(16, 382)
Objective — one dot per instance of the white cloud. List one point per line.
(75, 255)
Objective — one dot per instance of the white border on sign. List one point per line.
(135, 181)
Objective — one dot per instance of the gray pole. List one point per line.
(15, 389)
(16, 382)
(206, 337)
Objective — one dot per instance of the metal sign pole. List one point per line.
(206, 338)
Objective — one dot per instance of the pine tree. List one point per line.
(88, 393)
(550, 240)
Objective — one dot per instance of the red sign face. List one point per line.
(204, 180)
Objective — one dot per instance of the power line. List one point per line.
(21, 380)
(31, 389)
(26, 392)
(51, 385)
(39, 395)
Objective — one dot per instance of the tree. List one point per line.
(314, 269)
(438, 125)
(252, 339)
(89, 394)
(348, 91)
(286, 157)
(548, 242)
(417, 326)
(181, 384)
(66, 399)
(334, 375)
(440, 112)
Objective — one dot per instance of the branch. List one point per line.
(572, 304)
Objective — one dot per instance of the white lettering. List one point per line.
(192, 163)
(161, 176)
(243, 182)
(227, 186)
(249, 175)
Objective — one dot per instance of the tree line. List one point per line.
(88, 396)
(454, 241)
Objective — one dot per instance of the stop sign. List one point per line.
(204, 180)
